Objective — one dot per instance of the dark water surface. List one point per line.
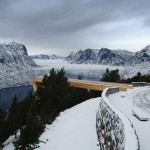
(7, 94)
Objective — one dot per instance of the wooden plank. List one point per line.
(86, 85)
(90, 85)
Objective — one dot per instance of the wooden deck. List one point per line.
(85, 84)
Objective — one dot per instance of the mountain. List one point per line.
(103, 56)
(83, 56)
(71, 56)
(142, 56)
(125, 54)
(43, 56)
(15, 65)
(107, 56)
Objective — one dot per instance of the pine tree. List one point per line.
(2, 126)
(80, 77)
(16, 115)
(13, 116)
(106, 75)
(111, 76)
(13, 121)
(30, 132)
(2, 115)
(139, 77)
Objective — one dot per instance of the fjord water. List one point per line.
(7, 94)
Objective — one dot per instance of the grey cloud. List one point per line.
(51, 21)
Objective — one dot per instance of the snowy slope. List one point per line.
(74, 129)
(15, 65)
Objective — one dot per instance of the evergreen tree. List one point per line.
(13, 121)
(30, 132)
(106, 75)
(111, 76)
(137, 78)
(80, 77)
(2, 125)
(13, 116)
(94, 93)
(2, 115)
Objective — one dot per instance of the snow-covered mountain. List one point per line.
(43, 56)
(125, 54)
(15, 65)
(106, 56)
(83, 56)
(103, 56)
(142, 56)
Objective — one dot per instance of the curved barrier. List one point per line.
(114, 130)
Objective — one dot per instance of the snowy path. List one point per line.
(74, 129)
(142, 100)
(125, 104)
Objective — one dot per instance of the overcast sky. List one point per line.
(61, 26)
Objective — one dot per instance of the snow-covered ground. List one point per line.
(142, 100)
(138, 98)
(9, 143)
(74, 129)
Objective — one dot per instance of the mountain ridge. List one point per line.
(15, 65)
(107, 56)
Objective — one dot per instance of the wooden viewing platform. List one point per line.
(85, 84)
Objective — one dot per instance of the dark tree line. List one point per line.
(111, 76)
(138, 78)
(114, 76)
(31, 115)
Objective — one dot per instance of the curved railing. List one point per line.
(114, 130)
